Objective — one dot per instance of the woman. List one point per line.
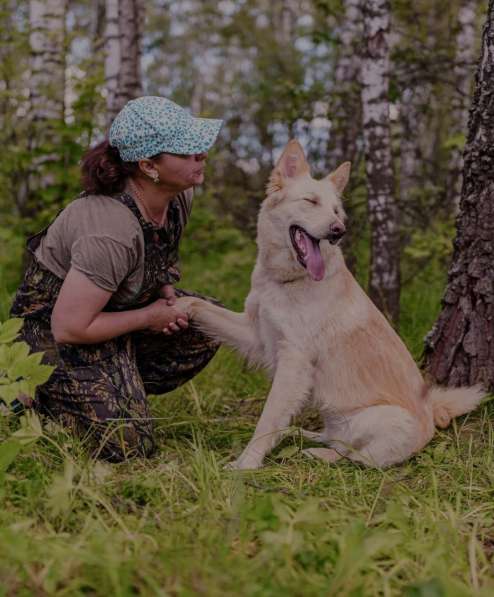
(98, 295)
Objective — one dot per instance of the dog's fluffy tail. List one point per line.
(448, 403)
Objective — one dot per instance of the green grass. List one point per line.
(180, 524)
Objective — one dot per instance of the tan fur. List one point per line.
(325, 340)
(453, 402)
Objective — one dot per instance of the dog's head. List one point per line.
(305, 210)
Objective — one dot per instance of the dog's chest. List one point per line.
(290, 315)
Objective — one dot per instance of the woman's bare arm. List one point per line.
(78, 318)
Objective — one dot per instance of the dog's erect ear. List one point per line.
(292, 163)
(340, 177)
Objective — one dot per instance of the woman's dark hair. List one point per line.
(103, 170)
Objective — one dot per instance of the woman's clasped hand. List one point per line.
(163, 317)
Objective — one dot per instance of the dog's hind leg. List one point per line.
(327, 454)
(378, 436)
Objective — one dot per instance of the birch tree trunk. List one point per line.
(384, 278)
(97, 24)
(346, 107)
(123, 36)
(465, 49)
(46, 97)
(460, 348)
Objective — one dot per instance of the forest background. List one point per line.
(179, 524)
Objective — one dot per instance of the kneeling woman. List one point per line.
(98, 294)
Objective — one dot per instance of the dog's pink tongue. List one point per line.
(313, 258)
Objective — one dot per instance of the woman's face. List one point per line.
(181, 172)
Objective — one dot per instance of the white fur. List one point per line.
(325, 340)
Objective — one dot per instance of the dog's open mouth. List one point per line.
(308, 252)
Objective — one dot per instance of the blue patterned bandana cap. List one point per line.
(151, 125)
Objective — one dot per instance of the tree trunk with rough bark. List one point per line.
(384, 278)
(124, 24)
(465, 49)
(460, 348)
(46, 99)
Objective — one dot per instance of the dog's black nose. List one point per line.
(336, 231)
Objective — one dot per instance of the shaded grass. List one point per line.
(179, 524)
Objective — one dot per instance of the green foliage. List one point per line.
(9, 330)
(28, 434)
(20, 372)
(11, 251)
(456, 141)
(14, 52)
(432, 244)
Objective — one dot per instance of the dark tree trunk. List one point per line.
(384, 278)
(460, 348)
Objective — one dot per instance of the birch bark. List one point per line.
(97, 24)
(459, 350)
(123, 37)
(46, 96)
(346, 107)
(384, 278)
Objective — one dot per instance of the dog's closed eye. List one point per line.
(312, 200)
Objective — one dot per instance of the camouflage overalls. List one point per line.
(99, 390)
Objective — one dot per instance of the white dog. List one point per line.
(309, 323)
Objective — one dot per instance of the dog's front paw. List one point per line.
(188, 304)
